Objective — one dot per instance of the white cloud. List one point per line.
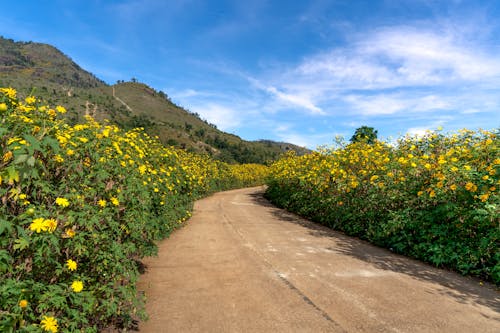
(384, 104)
(427, 67)
(297, 100)
(470, 111)
(224, 117)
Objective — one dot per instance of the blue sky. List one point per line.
(296, 71)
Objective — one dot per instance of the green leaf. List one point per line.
(21, 159)
(5, 226)
(34, 143)
(31, 161)
(21, 244)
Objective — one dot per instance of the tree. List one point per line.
(364, 134)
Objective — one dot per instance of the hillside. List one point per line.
(34, 67)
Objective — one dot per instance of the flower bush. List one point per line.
(433, 197)
(81, 205)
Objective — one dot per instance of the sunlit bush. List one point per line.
(433, 197)
(81, 205)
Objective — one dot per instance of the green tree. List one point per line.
(366, 134)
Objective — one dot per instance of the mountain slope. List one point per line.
(52, 75)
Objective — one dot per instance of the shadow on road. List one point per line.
(461, 288)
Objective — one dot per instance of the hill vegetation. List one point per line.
(44, 70)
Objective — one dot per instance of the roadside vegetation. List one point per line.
(81, 205)
(433, 197)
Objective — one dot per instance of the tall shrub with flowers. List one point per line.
(433, 197)
(81, 205)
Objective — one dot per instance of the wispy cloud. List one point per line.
(226, 118)
(387, 104)
(405, 58)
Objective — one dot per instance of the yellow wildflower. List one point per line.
(49, 324)
(470, 187)
(77, 286)
(60, 109)
(38, 225)
(3, 107)
(62, 202)
(484, 197)
(71, 264)
(102, 203)
(114, 201)
(11, 93)
(23, 303)
(50, 225)
(69, 233)
(7, 156)
(58, 158)
(453, 187)
(30, 100)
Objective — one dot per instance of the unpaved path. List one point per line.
(241, 265)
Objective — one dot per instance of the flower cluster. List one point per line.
(434, 197)
(81, 205)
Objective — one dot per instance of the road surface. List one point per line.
(242, 265)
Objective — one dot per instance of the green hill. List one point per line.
(43, 69)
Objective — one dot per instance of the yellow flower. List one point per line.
(485, 177)
(60, 109)
(69, 233)
(470, 187)
(23, 303)
(71, 264)
(50, 225)
(432, 194)
(484, 197)
(62, 202)
(453, 187)
(114, 201)
(70, 152)
(3, 107)
(420, 193)
(77, 286)
(49, 324)
(58, 158)
(102, 203)
(30, 100)
(11, 93)
(38, 225)
(7, 156)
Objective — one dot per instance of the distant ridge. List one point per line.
(29, 66)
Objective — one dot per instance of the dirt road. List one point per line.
(241, 265)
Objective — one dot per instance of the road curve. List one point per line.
(242, 265)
